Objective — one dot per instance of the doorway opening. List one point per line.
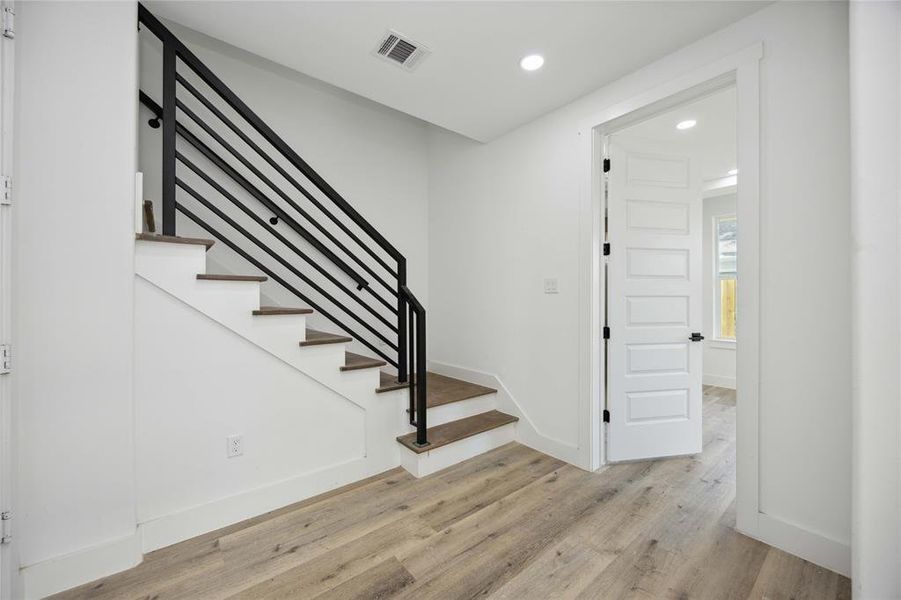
(670, 265)
(739, 72)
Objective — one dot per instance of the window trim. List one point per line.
(718, 340)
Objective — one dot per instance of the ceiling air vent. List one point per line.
(401, 50)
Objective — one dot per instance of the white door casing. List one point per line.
(8, 559)
(654, 300)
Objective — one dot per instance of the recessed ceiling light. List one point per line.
(732, 172)
(687, 124)
(532, 62)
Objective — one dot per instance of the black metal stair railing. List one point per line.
(357, 260)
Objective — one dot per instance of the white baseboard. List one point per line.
(719, 381)
(64, 572)
(176, 527)
(814, 547)
(527, 433)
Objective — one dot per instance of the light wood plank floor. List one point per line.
(512, 524)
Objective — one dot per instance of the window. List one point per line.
(725, 275)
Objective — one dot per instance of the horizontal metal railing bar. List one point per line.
(152, 104)
(262, 198)
(188, 57)
(218, 161)
(237, 227)
(251, 189)
(281, 171)
(262, 223)
(212, 231)
(268, 182)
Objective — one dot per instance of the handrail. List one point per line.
(281, 171)
(410, 327)
(189, 58)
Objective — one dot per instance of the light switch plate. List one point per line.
(550, 286)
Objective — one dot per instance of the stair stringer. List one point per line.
(174, 269)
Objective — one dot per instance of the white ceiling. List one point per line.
(471, 83)
(713, 138)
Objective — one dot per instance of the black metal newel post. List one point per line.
(420, 377)
(411, 360)
(402, 367)
(168, 137)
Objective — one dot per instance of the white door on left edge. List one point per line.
(653, 300)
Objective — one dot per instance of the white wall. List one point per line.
(719, 357)
(507, 214)
(374, 156)
(76, 68)
(198, 381)
(876, 210)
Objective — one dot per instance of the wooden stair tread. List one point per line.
(318, 338)
(172, 239)
(448, 433)
(281, 310)
(441, 388)
(388, 383)
(352, 362)
(220, 277)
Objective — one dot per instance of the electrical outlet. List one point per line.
(550, 286)
(234, 446)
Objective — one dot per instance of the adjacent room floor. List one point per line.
(513, 523)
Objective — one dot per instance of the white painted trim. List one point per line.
(719, 381)
(748, 326)
(10, 580)
(139, 202)
(743, 70)
(432, 461)
(61, 573)
(720, 186)
(170, 529)
(723, 344)
(527, 433)
(816, 548)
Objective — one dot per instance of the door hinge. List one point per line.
(5, 534)
(6, 189)
(9, 23)
(606, 248)
(6, 358)
(606, 165)
(606, 416)
(606, 333)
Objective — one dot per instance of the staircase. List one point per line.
(220, 165)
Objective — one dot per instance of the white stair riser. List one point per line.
(420, 465)
(279, 329)
(439, 415)
(225, 299)
(172, 261)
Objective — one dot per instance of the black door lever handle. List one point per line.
(696, 337)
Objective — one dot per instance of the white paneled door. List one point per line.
(654, 300)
